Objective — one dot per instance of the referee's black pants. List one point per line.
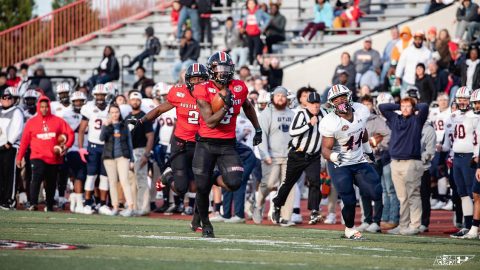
(42, 171)
(7, 176)
(207, 155)
(297, 163)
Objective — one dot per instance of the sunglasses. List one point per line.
(7, 97)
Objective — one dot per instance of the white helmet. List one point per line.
(63, 88)
(383, 98)
(31, 93)
(78, 95)
(11, 90)
(463, 92)
(111, 88)
(263, 97)
(161, 89)
(100, 89)
(337, 91)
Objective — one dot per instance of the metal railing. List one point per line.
(77, 21)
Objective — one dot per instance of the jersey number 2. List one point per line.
(193, 117)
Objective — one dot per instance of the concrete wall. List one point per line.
(318, 72)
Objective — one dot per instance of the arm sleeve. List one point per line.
(264, 121)
(422, 112)
(25, 142)
(299, 125)
(16, 127)
(431, 140)
(388, 110)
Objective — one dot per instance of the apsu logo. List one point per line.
(27, 245)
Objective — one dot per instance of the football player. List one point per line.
(63, 99)
(344, 143)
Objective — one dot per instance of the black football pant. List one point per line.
(297, 163)
(7, 176)
(42, 171)
(181, 163)
(207, 154)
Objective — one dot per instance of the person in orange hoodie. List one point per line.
(405, 41)
(41, 134)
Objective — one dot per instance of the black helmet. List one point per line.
(221, 68)
(195, 70)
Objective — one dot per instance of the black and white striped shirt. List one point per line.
(305, 137)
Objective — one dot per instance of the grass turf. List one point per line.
(147, 243)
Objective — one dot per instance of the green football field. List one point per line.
(154, 243)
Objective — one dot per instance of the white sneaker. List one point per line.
(409, 231)
(61, 202)
(353, 234)
(448, 206)
(257, 215)
(105, 210)
(22, 198)
(433, 202)
(423, 228)
(470, 235)
(127, 213)
(395, 230)
(286, 223)
(79, 209)
(73, 202)
(331, 219)
(363, 227)
(235, 219)
(373, 228)
(87, 210)
(216, 217)
(296, 219)
(249, 209)
(439, 205)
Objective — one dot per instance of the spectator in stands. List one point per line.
(439, 76)
(367, 63)
(467, 14)
(189, 11)
(387, 52)
(254, 24)
(3, 82)
(120, 100)
(118, 158)
(442, 46)
(142, 81)
(244, 73)
(205, 13)
(470, 69)
(323, 18)
(152, 47)
(424, 84)
(44, 83)
(409, 59)
(24, 73)
(402, 44)
(176, 6)
(270, 67)
(108, 70)
(12, 79)
(431, 39)
(407, 167)
(189, 53)
(349, 17)
(235, 43)
(436, 5)
(347, 65)
(275, 32)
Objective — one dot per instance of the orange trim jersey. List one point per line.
(226, 128)
(187, 114)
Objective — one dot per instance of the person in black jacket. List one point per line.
(470, 69)
(347, 65)
(108, 70)
(152, 47)
(189, 53)
(118, 158)
(275, 31)
(466, 15)
(439, 76)
(425, 85)
(270, 67)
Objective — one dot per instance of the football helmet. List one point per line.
(337, 91)
(221, 68)
(475, 97)
(63, 92)
(461, 94)
(195, 70)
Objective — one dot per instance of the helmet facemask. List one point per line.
(100, 101)
(64, 98)
(463, 104)
(222, 74)
(344, 106)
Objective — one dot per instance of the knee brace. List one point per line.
(103, 183)
(90, 182)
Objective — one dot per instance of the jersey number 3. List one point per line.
(193, 117)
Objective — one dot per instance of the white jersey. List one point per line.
(461, 132)
(73, 119)
(147, 105)
(348, 135)
(439, 121)
(166, 122)
(96, 119)
(58, 109)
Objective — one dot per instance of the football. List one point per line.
(57, 149)
(217, 102)
(61, 139)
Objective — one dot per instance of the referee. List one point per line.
(304, 155)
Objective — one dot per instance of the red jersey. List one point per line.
(226, 128)
(187, 113)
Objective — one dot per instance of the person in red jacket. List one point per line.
(41, 134)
